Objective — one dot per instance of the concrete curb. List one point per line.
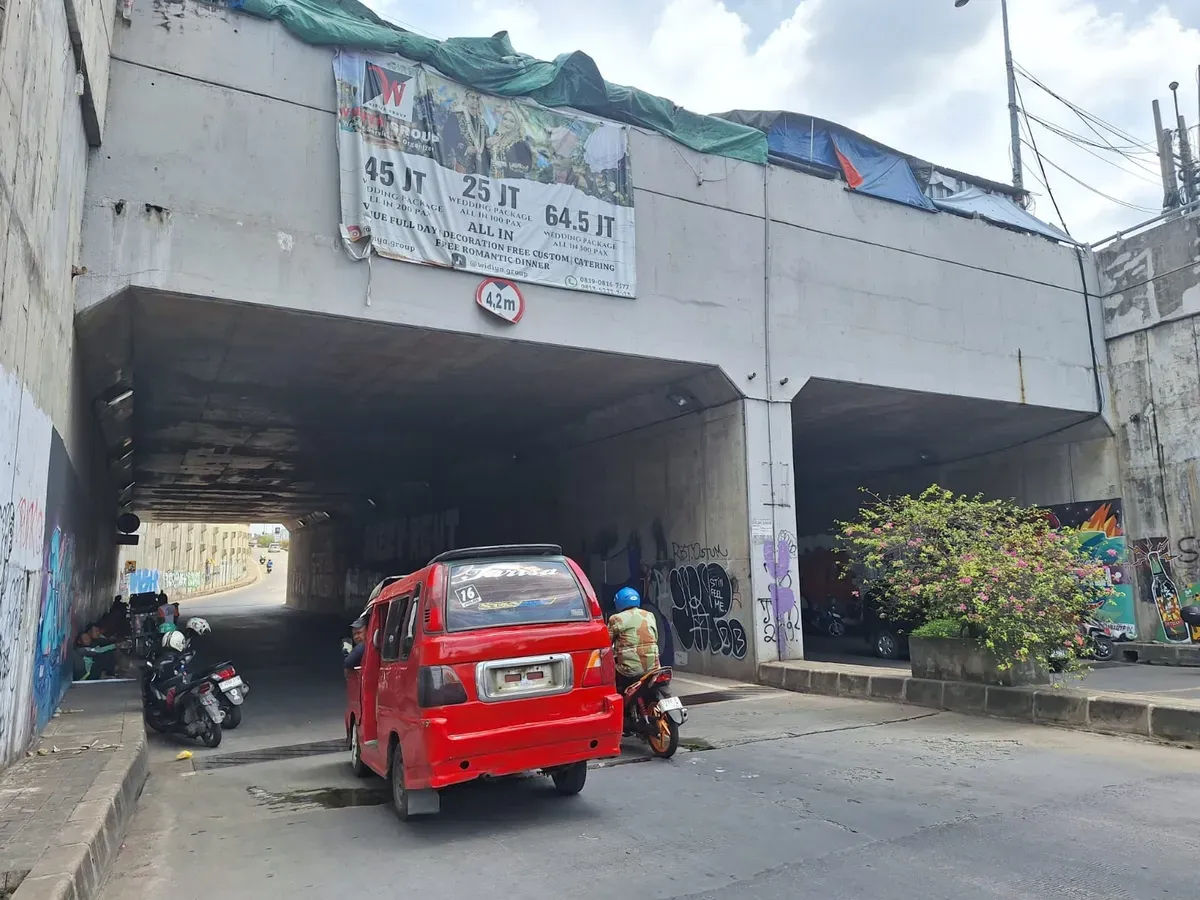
(79, 858)
(1102, 713)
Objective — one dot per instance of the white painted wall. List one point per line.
(54, 564)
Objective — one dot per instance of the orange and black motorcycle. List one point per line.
(653, 713)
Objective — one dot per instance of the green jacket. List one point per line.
(634, 634)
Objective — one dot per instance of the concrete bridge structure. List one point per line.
(789, 342)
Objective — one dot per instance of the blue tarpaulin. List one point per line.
(1001, 210)
(872, 169)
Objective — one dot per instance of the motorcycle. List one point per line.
(231, 692)
(173, 702)
(262, 560)
(826, 621)
(269, 568)
(653, 713)
(1099, 637)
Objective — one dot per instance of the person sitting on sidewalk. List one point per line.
(93, 658)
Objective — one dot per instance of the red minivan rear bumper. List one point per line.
(455, 756)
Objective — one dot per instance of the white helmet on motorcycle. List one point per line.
(174, 640)
(198, 625)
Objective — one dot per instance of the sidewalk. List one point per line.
(1160, 717)
(65, 807)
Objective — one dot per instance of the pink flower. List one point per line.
(1021, 564)
(983, 597)
(914, 590)
(966, 579)
(962, 607)
(888, 525)
(854, 593)
(1112, 553)
(878, 530)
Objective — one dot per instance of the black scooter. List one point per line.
(173, 702)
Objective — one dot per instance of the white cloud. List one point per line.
(920, 76)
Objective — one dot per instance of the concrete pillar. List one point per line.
(771, 493)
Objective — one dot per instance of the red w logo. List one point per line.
(386, 86)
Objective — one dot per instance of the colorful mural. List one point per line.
(1159, 582)
(1102, 534)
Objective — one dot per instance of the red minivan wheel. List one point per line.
(399, 791)
(357, 766)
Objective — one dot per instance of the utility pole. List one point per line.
(1014, 119)
(1186, 173)
(1166, 159)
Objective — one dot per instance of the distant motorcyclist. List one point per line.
(634, 634)
(270, 565)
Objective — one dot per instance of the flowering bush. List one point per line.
(996, 571)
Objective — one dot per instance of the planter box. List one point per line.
(953, 659)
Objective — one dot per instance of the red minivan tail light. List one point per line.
(434, 618)
(439, 686)
(601, 669)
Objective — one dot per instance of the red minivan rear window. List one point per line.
(495, 593)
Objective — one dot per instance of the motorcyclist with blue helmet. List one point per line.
(634, 634)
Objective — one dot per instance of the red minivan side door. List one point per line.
(390, 671)
(369, 679)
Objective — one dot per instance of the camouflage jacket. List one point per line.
(634, 634)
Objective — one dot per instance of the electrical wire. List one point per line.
(1088, 117)
(1103, 159)
(1085, 185)
(1038, 156)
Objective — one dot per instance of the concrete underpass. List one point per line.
(382, 445)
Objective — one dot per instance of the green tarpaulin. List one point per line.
(492, 65)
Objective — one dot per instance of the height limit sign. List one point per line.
(501, 298)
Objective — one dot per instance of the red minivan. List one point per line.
(489, 661)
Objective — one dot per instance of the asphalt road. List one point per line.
(802, 796)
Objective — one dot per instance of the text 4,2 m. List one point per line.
(561, 217)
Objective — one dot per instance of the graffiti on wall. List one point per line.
(1102, 534)
(781, 611)
(24, 450)
(702, 597)
(410, 541)
(140, 581)
(687, 584)
(1160, 584)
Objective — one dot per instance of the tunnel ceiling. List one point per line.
(840, 428)
(247, 413)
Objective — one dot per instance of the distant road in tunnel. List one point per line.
(291, 660)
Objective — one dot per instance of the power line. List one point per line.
(1088, 117)
(1038, 156)
(1084, 184)
(1083, 145)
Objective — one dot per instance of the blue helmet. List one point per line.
(627, 598)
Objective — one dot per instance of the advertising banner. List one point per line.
(435, 172)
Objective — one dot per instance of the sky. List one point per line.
(918, 75)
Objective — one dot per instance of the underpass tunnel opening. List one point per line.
(379, 446)
(853, 440)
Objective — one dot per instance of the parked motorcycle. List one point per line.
(1099, 637)
(231, 688)
(653, 714)
(173, 702)
(826, 621)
